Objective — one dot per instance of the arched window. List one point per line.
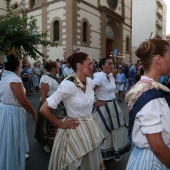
(15, 6)
(109, 31)
(84, 31)
(32, 3)
(127, 44)
(56, 30)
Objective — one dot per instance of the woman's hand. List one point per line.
(69, 123)
(35, 117)
(99, 103)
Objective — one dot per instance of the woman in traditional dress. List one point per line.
(13, 107)
(149, 109)
(45, 131)
(76, 144)
(109, 116)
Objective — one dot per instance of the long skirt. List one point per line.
(144, 159)
(78, 148)
(13, 137)
(45, 131)
(112, 123)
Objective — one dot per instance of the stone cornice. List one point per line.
(88, 4)
(111, 13)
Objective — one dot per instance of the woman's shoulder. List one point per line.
(67, 86)
(98, 75)
(15, 79)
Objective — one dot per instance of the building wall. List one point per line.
(71, 14)
(127, 27)
(3, 7)
(90, 14)
(94, 3)
(144, 18)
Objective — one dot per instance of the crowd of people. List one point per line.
(79, 121)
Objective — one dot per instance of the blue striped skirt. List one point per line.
(144, 159)
(13, 142)
(112, 123)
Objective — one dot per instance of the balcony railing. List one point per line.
(160, 3)
(159, 12)
(159, 24)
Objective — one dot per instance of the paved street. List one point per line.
(39, 158)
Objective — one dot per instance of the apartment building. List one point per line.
(148, 20)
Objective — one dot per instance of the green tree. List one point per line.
(16, 35)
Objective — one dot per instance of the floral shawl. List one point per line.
(143, 92)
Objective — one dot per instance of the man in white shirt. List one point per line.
(67, 71)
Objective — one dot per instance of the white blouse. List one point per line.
(106, 90)
(52, 83)
(6, 94)
(154, 117)
(77, 103)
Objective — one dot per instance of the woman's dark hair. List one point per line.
(76, 58)
(12, 63)
(50, 65)
(102, 62)
(148, 49)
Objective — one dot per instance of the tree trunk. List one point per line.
(13, 51)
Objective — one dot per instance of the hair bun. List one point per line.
(143, 49)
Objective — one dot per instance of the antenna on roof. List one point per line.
(150, 35)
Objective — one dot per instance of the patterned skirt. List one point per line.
(71, 145)
(112, 123)
(144, 159)
(13, 142)
(45, 131)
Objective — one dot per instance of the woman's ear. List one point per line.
(79, 66)
(158, 59)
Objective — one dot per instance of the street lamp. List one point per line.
(121, 56)
(111, 55)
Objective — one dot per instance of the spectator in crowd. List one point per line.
(163, 80)
(59, 68)
(131, 76)
(36, 75)
(26, 79)
(95, 66)
(13, 107)
(24, 59)
(115, 70)
(149, 109)
(29, 70)
(125, 71)
(63, 66)
(67, 71)
(45, 131)
(120, 80)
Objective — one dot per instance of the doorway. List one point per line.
(109, 47)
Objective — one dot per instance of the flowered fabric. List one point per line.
(142, 93)
(76, 80)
